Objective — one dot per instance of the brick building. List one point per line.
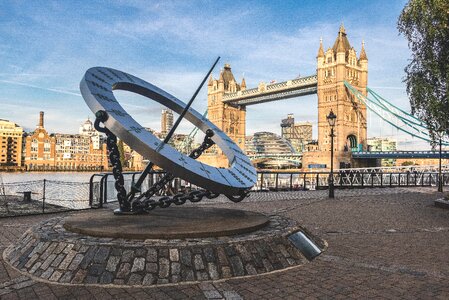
(60, 152)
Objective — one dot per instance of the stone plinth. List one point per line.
(50, 252)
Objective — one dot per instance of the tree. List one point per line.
(425, 24)
(121, 150)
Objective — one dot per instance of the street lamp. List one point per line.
(331, 118)
(440, 177)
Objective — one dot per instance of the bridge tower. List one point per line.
(334, 66)
(230, 119)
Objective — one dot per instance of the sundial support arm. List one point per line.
(136, 187)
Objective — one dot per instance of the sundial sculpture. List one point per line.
(97, 88)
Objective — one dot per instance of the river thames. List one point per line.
(9, 177)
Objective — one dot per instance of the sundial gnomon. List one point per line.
(235, 181)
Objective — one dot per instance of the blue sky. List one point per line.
(46, 46)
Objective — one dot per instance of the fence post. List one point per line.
(291, 182)
(43, 197)
(304, 182)
(276, 187)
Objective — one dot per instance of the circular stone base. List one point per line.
(50, 253)
(173, 223)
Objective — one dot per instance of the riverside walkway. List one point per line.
(389, 243)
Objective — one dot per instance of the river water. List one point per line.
(9, 177)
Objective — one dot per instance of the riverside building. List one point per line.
(60, 152)
(10, 145)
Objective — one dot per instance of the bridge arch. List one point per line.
(351, 141)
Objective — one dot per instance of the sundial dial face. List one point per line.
(97, 88)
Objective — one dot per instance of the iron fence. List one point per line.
(42, 196)
(102, 188)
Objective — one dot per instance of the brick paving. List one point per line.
(383, 243)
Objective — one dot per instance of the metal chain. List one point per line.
(114, 158)
(144, 201)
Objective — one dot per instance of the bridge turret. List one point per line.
(243, 84)
(339, 64)
(363, 61)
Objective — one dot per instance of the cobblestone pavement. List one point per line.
(383, 243)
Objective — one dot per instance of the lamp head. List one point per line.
(331, 118)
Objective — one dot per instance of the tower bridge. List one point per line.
(341, 86)
(271, 92)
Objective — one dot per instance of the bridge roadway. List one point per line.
(365, 154)
(400, 154)
(275, 91)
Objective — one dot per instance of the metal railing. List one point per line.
(42, 196)
(102, 185)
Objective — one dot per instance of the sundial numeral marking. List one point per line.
(117, 112)
(115, 74)
(128, 77)
(243, 174)
(95, 84)
(105, 74)
(246, 169)
(224, 177)
(204, 169)
(183, 160)
(237, 150)
(103, 97)
(236, 177)
(99, 78)
(244, 161)
(136, 129)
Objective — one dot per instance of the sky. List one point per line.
(46, 47)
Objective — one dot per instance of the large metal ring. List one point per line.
(97, 88)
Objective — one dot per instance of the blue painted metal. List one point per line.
(399, 154)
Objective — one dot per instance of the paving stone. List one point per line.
(140, 252)
(113, 261)
(102, 255)
(222, 257)
(128, 256)
(106, 277)
(88, 257)
(151, 267)
(76, 262)
(96, 269)
(175, 268)
(152, 255)
(237, 266)
(55, 276)
(57, 260)
(174, 255)
(198, 262)
(66, 277)
(149, 279)
(209, 254)
(124, 270)
(213, 271)
(135, 279)
(186, 257)
(226, 271)
(138, 264)
(164, 268)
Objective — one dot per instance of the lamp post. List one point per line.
(331, 118)
(440, 178)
